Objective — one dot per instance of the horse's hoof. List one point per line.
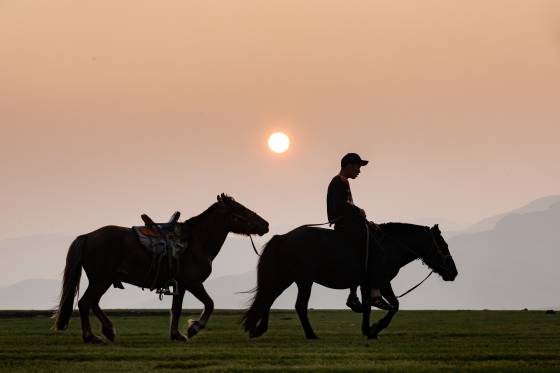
(373, 331)
(110, 333)
(313, 336)
(255, 333)
(178, 337)
(93, 339)
(194, 328)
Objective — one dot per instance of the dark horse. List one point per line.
(310, 254)
(113, 254)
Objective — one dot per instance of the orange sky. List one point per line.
(113, 108)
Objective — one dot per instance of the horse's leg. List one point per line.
(200, 293)
(107, 327)
(366, 310)
(89, 299)
(304, 292)
(176, 308)
(387, 292)
(263, 324)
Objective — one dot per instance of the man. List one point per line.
(350, 221)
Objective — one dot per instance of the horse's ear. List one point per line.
(225, 199)
(219, 198)
(436, 228)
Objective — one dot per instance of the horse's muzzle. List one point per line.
(263, 229)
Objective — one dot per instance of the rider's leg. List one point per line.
(375, 276)
(349, 235)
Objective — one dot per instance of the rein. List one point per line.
(414, 287)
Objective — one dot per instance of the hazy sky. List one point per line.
(113, 108)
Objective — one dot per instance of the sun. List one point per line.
(279, 142)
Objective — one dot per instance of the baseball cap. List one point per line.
(352, 158)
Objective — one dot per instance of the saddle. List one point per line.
(153, 235)
(162, 240)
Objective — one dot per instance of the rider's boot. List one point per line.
(354, 303)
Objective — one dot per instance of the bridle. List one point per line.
(416, 255)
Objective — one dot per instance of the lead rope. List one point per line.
(306, 225)
(254, 248)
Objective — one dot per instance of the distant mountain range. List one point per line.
(508, 261)
(537, 205)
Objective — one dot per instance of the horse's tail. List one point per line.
(70, 283)
(270, 284)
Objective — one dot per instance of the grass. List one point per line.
(417, 341)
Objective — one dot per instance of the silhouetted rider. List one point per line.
(350, 221)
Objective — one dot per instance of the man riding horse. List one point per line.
(350, 221)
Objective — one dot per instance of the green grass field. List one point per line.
(417, 341)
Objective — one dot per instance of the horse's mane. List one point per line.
(400, 228)
(202, 216)
(222, 199)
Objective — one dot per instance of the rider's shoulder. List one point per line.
(336, 180)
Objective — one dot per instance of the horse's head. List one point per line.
(239, 219)
(437, 255)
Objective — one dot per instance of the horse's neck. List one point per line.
(215, 243)
(212, 233)
(406, 259)
(407, 252)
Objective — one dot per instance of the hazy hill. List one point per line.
(38, 256)
(512, 265)
(490, 222)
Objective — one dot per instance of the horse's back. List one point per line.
(315, 239)
(106, 246)
(111, 235)
(314, 253)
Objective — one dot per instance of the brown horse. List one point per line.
(308, 254)
(113, 254)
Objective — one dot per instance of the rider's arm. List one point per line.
(340, 205)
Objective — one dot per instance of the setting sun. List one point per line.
(279, 142)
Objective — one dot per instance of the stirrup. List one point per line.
(171, 288)
(380, 303)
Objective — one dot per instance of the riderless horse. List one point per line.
(114, 254)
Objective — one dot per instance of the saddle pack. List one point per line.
(162, 241)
